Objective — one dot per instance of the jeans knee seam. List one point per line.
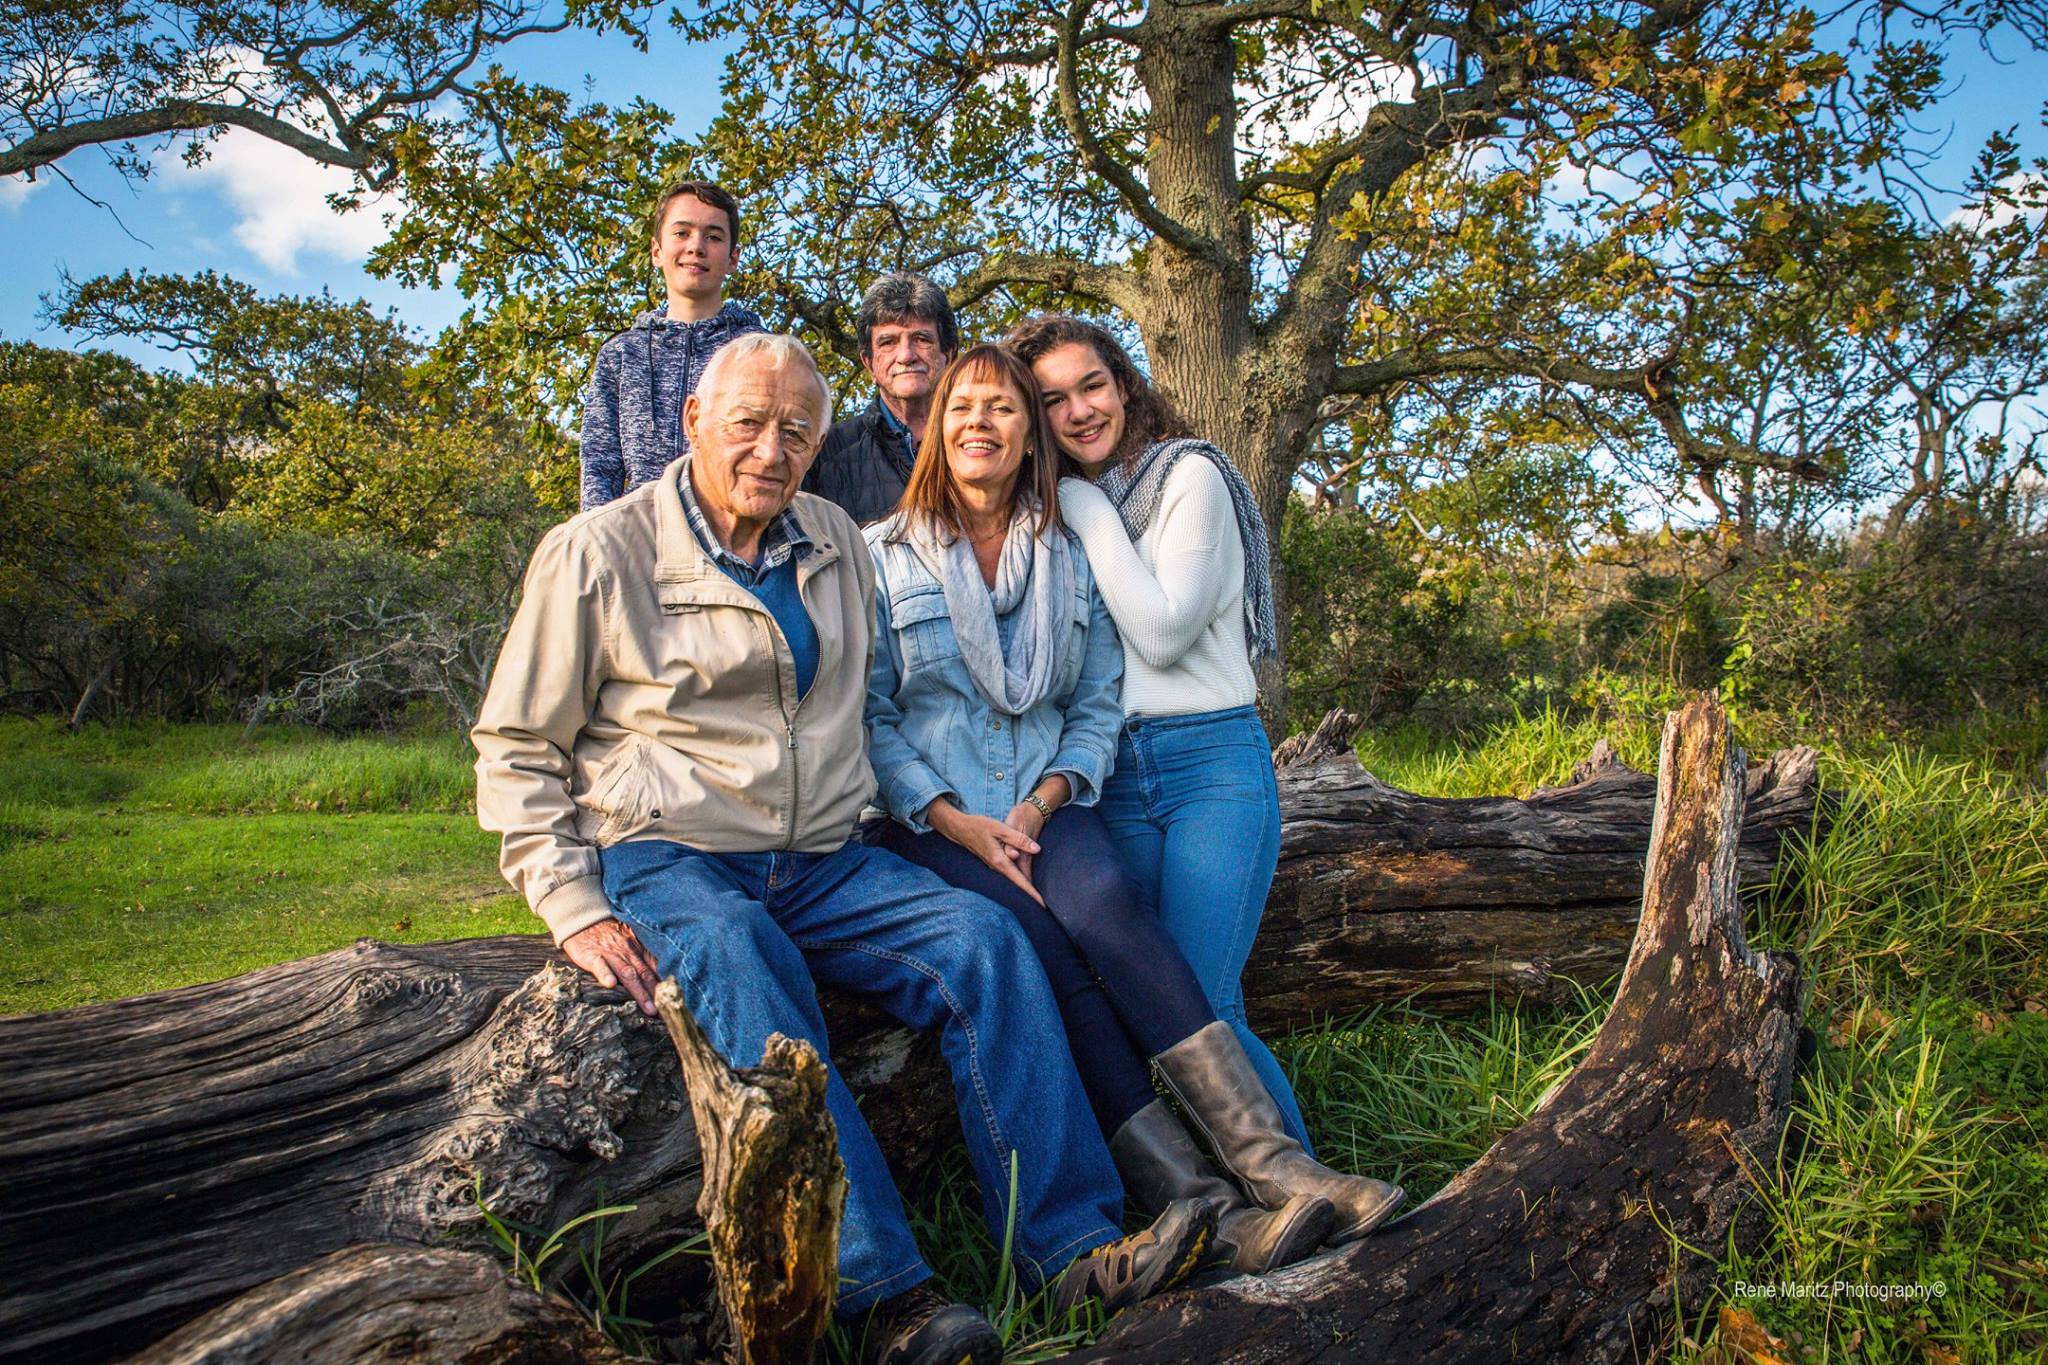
(953, 1004)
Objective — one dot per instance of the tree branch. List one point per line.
(1649, 383)
(182, 116)
(1097, 158)
(1109, 284)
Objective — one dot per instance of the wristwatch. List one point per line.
(1036, 800)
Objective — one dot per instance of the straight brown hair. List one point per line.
(704, 192)
(1149, 415)
(932, 493)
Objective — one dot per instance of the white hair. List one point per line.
(771, 350)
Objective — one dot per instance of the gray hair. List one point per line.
(898, 297)
(770, 350)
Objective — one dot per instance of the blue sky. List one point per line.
(258, 212)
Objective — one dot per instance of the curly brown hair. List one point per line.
(1149, 415)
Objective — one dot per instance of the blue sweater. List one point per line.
(633, 404)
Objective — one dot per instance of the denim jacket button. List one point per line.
(999, 777)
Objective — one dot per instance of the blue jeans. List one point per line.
(744, 936)
(1123, 991)
(1193, 809)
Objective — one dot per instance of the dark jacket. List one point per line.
(633, 404)
(863, 465)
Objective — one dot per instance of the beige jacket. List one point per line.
(642, 694)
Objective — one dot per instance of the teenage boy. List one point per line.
(633, 405)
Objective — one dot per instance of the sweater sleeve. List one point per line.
(1161, 613)
(604, 462)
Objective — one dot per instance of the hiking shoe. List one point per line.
(1136, 1267)
(921, 1326)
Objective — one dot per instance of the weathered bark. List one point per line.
(166, 1153)
(382, 1302)
(1567, 1239)
(773, 1187)
(1383, 894)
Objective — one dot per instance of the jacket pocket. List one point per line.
(1077, 643)
(921, 621)
(619, 796)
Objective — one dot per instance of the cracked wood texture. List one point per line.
(773, 1187)
(1559, 1243)
(1382, 893)
(166, 1153)
(381, 1302)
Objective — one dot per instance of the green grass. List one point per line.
(1918, 1151)
(139, 858)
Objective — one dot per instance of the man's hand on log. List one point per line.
(609, 951)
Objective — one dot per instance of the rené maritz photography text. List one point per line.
(1840, 1289)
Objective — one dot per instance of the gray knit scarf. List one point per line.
(1037, 566)
(1134, 490)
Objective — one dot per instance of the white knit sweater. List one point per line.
(1177, 595)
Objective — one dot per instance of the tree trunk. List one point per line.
(381, 1302)
(1572, 1236)
(169, 1152)
(83, 711)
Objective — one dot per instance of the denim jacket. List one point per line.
(932, 733)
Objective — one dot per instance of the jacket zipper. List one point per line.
(778, 645)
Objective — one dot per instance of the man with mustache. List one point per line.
(907, 337)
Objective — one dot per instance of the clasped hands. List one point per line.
(1007, 845)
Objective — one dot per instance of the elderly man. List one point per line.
(672, 750)
(907, 336)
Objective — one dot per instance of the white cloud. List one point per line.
(2029, 200)
(15, 190)
(279, 198)
(1293, 104)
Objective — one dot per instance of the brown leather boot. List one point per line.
(1214, 1080)
(1160, 1163)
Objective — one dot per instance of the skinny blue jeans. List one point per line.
(745, 935)
(1123, 991)
(1194, 811)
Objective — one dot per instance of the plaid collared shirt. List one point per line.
(783, 539)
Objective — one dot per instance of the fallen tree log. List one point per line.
(381, 1302)
(1571, 1235)
(166, 1153)
(1382, 894)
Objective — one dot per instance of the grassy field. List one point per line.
(137, 859)
(142, 858)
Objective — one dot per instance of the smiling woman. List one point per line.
(992, 720)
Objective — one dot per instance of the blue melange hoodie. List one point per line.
(633, 405)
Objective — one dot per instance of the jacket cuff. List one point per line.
(574, 906)
(1084, 772)
(910, 790)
